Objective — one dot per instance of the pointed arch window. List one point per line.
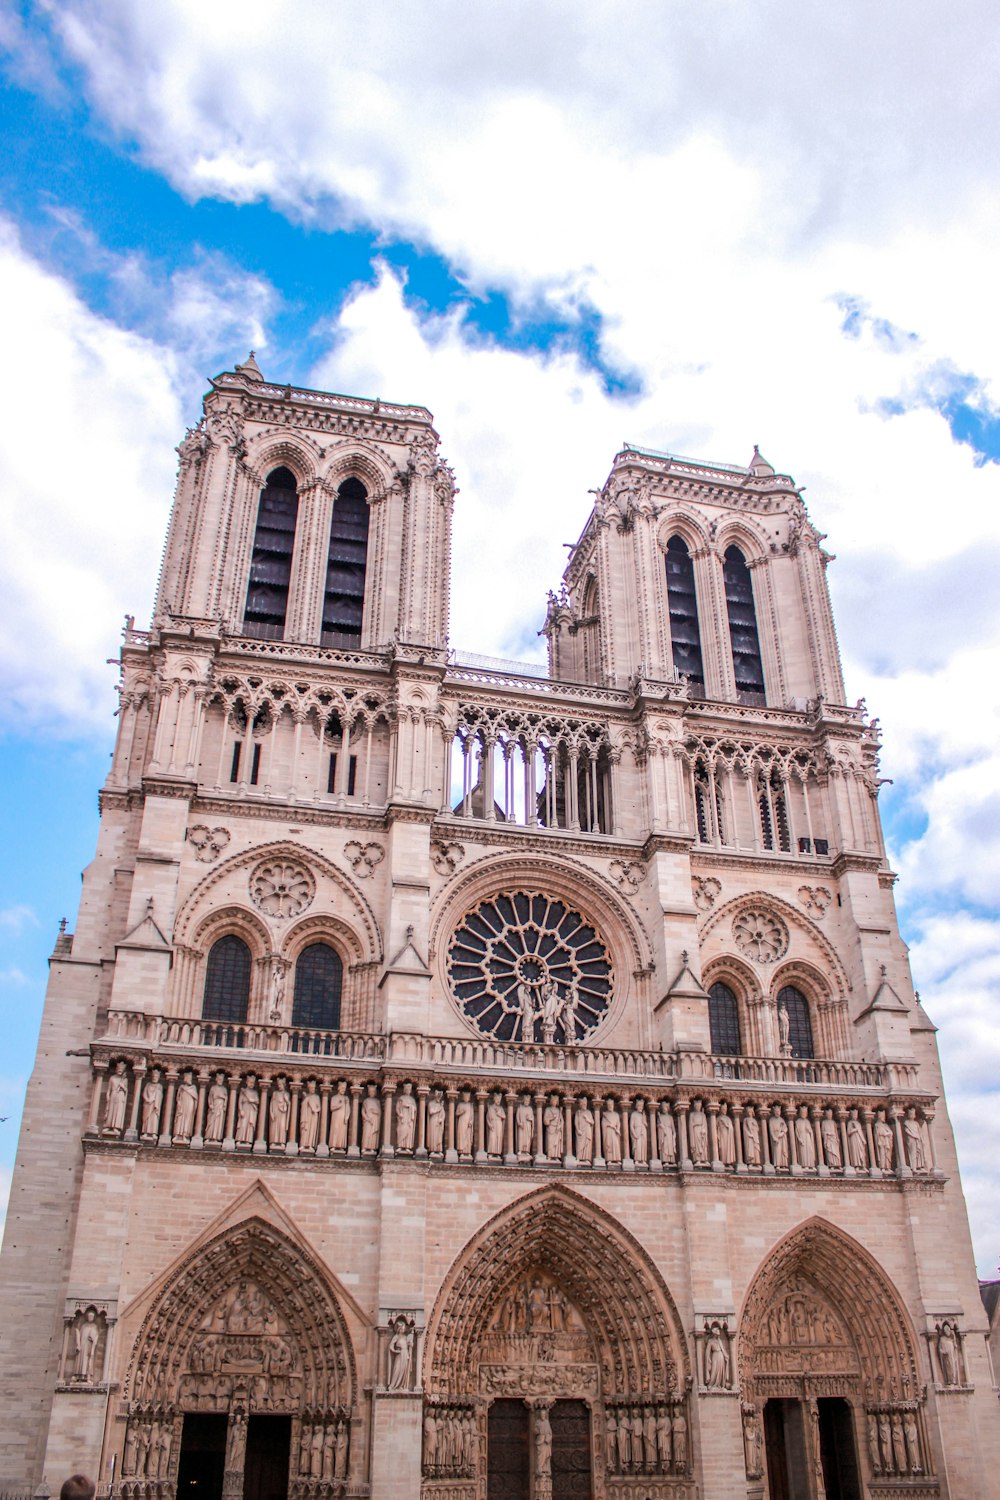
(319, 978)
(347, 565)
(271, 563)
(682, 602)
(724, 1021)
(743, 635)
(800, 1032)
(227, 981)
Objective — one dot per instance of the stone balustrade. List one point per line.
(161, 1095)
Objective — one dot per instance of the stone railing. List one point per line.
(388, 1096)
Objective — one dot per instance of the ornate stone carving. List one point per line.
(449, 1442)
(716, 1356)
(371, 1119)
(215, 1117)
(208, 843)
(399, 1353)
(86, 1346)
(310, 1107)
(184, 1107)
(116, 1099)
(282, 887)
(526, 967)
(340, 1116)
(246, 1111)
(760, 935)
(363, 859)
(627, 874)
(446, 857)
(152, 1103)
(705, 889)
(948, 1346)
(406, 1118)
(815, 899)
(753, 1444)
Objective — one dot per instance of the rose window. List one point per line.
(282, 888)
(760, 935)
(527, 968)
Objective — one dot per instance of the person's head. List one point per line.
(78, 1487)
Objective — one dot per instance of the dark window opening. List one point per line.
(570, 1425)
(724, 1021)
(344, 596)
(822, 846)
(800, 1033)
(271, 563)
(319, 977)
(774, 827)
(701, 811)
(255, 765)
(265, 1470)
(743, 636)
(203, 1456)
(352, 774)
(682, 602)
(227, 981)
(234, 769)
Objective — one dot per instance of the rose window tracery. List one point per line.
(281, 887)
(760, 935)
(528, 968)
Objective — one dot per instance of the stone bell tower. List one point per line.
(465, 1081)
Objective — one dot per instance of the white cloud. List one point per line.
(14, 919)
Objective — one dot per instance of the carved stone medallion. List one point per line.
(760, 935)
(281, 887)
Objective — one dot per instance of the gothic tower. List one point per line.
(470, 1083)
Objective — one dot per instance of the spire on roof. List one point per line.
(250, 368)
(759, 467)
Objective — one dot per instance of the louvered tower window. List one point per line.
(800, 1032)
(685, 637)
(319, 976)
(271, 564)
(344, 598)
(743, 627)
(227, 981)
(724, 1021)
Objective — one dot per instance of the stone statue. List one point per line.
(716, 1360)
(777, 1129)
(570, 1008)
(947, 1348)
(638, 1134)
(400, 1355)
(86, 1340)
(913, 1135)
(309, 1110)
(465, 1119)
(551, 1011)
(316, 1452)
(129, 1457)
(751, 1138)
(496, 1118)
(830, 1136)
(611, 1134)
(624, 1441)
(526, 1004)
(898, 1444)
(752, 1447)
(339, 1118)
(152, 1102)
(543, 1444)
(857, 1146)
(371, 1118)
(784, 1032)
(611, 1441)
(215, 1118)
(329, 1437)
(912, 1437)
(725, 1134)
(553, 1121)
(430, 1440)
(583, 1124)
(117, 1096)
(246, 1111)
(882, 1132)
(680, 1431)
(649, 1433)
(343, 1438)
(666, 1135)
(885, 1441)
(435, 1123)
(663, 1439)
(406, 1118)
(805, 1140)
(638, 1438)
(524, 1121)
(873, 1447)
(279, 1110)
(185, 1107)
(698, 1134)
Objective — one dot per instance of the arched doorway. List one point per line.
(555, 1366)
(242, 1382)
(833, 1405)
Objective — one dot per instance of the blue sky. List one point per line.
(560, 227)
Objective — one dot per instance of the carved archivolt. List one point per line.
(249, 1308)
(820, 1305)
(554, 1271)
(803, 940)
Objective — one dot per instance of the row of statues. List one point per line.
(147, 1448)
(894, 1443)
(646, 1439)
(321, 1119)
(449, 1442)
(324, 1447)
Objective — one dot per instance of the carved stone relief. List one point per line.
(208, 843)
(281, 887)
(627, 874)
(705, 889)
(85, 1346)
(398, 1352)
(446, 857)
(242, 1342)
(815, 899)
(363, 859)
(760, 935)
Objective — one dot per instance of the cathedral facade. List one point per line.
(464, 1083)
